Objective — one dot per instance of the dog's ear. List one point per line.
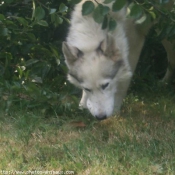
(109, 48)
(71, 53)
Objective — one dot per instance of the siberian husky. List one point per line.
(102, 62)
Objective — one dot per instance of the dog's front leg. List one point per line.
(83, 101)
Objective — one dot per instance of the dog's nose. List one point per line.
(101, 117)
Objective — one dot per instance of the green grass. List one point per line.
(141, 141)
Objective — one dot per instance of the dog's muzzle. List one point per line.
(101, 117)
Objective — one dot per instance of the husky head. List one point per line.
(97, 72)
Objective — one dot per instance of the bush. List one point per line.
(31, 63)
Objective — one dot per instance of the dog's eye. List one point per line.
(89, 90)
(104, 86)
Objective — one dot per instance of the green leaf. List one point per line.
(22, 21)
(172, 32)
(88, 7)
(52, 11)
(108, 1)
(8, 56)
(4, 31)
(30, 62)
(153, 15)
(136, 11)
(33, 9)
(75, 1)
(118, 5)
(53, 17)
(42, 23)
(168, 30)
(112, 24)
(56, 19)
(39, 13)
(141, 20)
(63, 8)
(31, 37)
(59, 20)
(163, 1)
(105, 22)
(2, 17)
(55, 54)
(8, 1)
(98, 14)
(105, 9)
